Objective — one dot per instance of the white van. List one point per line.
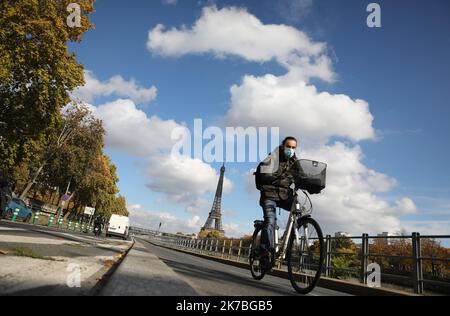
(118, 226)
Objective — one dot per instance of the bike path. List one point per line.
(216, 279)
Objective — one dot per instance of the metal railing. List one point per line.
(413, 278)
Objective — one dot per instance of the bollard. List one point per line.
(15, 213)
(50, 221)
(68, 225)
(75, 227)
(60, 222)
(36, 217)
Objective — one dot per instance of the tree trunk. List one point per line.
(30, 184)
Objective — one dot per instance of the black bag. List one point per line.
(313, 176)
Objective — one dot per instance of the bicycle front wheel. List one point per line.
(305, 255)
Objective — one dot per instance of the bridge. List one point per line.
(154, 263)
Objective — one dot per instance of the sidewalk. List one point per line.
(41, 262)
(143, 274)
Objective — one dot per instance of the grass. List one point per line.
(29, 253)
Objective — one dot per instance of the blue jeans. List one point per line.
(270, 221)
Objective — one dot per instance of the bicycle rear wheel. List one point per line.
(305, 256)
(256, 268)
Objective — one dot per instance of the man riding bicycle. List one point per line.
(274, 178)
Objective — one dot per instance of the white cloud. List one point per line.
(184, 179)
(115, 86)
(350, 201)
(298, 109)
(134, 207)
(233, 31)
(405, 206)
(129, 129)
(194, 222)
(199, 206)
(428, 227)
(170, 223)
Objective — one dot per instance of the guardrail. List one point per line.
(412, 258)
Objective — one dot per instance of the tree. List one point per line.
(37, 73)
(209, 234)
(80, 166)
(78, 125)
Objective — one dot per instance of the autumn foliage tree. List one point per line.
(43, 145)
(37, 73)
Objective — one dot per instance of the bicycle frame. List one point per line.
(297, 211)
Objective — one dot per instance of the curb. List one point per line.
(98, 287)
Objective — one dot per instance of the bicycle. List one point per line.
(302, 245)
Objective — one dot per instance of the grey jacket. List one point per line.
(277, 175)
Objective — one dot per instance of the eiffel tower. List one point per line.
(216, 213)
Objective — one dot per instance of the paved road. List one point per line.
(208, 277)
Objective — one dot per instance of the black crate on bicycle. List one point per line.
(312, 175)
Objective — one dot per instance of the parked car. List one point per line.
(24, 211)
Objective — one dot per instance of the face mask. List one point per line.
(289, 152)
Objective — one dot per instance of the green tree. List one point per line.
(37, 73)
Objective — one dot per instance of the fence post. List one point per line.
(364, 257)
(239, 250)
(223, 248)
(417, 264)
(217, 245)
(327, 255)
(231, 248)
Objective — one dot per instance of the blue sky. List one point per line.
(401, 70)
